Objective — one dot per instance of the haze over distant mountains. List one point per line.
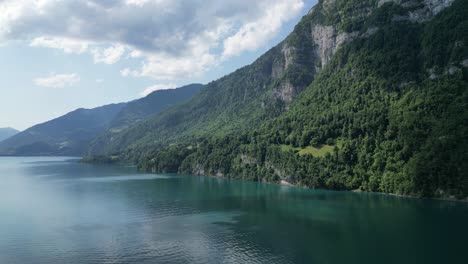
(72, 133)
(7, 132)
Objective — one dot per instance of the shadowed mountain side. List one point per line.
(7, 132)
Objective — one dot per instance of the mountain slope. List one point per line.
(262, 90)
(384, 107)
(240, 100)
(140, 109)
(66, 135)
(7, 132)
(72, 133)
(388, 113)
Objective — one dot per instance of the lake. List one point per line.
(56, 210)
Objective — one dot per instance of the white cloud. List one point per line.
(58, 80)
(127, 72)
(257, 33)
(197, 57)
(164, 67)
(157, 87)
(141, 3)
(136, 2)
(173, 38)
(110, 55)
(65, 44)
(99, 80)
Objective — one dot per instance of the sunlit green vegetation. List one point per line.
(319, 151)
(373, 119)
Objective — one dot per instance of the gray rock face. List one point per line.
(429, 9)
(453, 70)
(328, 4)
(326, 39)
(285, 92)
(435, 6)
(432, 74)
(280, 67)
(464, 63)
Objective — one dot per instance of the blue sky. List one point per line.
(57, 56)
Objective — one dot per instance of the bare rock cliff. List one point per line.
(327, 39)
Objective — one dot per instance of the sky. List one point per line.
(60, 55)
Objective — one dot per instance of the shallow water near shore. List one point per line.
(56, 210)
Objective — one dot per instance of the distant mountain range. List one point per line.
(66, 135)
(7, 132)
(72, 133)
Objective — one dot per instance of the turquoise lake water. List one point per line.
(56, 210)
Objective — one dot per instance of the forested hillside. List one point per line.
(236, 102)
(140, 109)
(65, 135)
(363, 95)
(73, 133)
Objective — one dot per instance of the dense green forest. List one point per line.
(387, 113)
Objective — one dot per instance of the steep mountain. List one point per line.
(72, 133)
(7, 132)
(238, 101)
(363, 95)
(140, 109)
(67, 135)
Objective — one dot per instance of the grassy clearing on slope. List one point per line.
(318, 152)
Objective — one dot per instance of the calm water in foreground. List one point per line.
(55, 210)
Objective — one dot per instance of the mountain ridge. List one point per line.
(388, 115)
(72, 133)
(61, 135)
(284, 71)
(6, 132)
(354, 98)
(140, 109)
(362, 95)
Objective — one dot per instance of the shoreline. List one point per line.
(448, 199)
(288, 184)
